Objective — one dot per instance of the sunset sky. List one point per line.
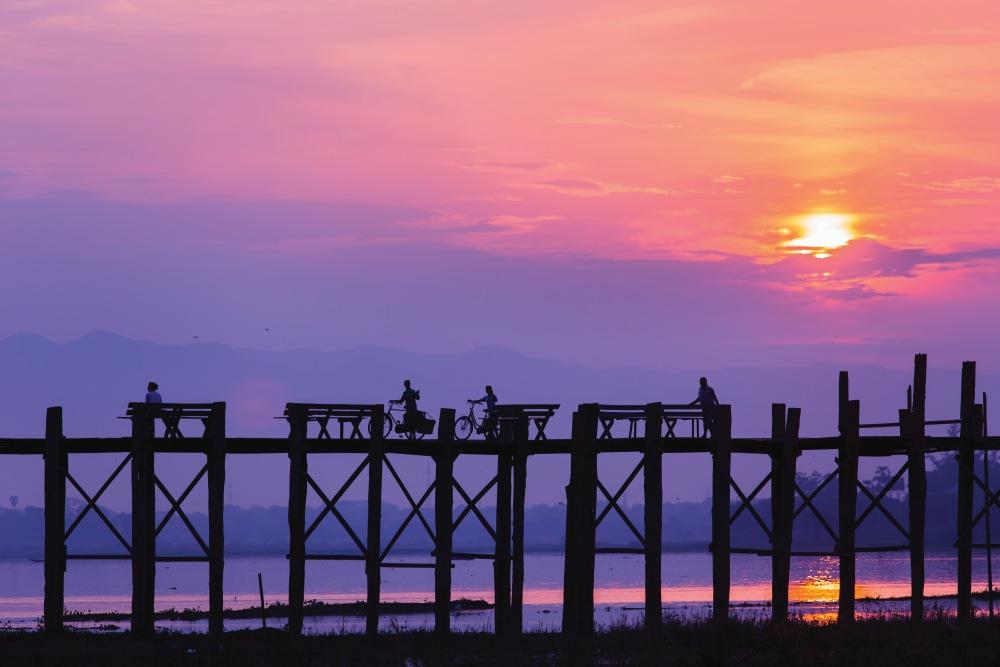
(679, 184)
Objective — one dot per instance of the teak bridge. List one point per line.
(652, 430)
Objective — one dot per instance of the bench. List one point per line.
(673, 414)
(346, 414)
(171, 414)
(538, 414)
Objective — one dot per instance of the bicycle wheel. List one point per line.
(463, 428)
(387, 424)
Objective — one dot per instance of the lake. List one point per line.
(687, 588)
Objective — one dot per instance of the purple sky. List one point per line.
(328, 276)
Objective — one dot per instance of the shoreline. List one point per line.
(311, 608)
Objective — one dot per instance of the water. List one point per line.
(687, 588)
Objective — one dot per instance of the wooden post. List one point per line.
(789, 454)
(913, 428)
(298, 469)
(373, 548)
(721, 475)
(965, 462)
(56, 464)
(520, 491)
(779, 574)
(143, 521)
(263, 607)
(501, 553)
(216, 509)
(847, 461)
(571, 551)
(444, 464)
(652, 487)
(581, 519)
(588, 517)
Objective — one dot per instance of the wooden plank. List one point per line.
(652, 516)
(297, 471)
(966, 452)
(721, 474)
(521, 440)
(56, 465)
(373, 547)
(444, 464)
(501, 561)
(216, 509)
(779, 578)
(143, 522)
(847, 508)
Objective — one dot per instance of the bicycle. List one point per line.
(464, 426)
(389, 423)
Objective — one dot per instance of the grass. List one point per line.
(883, 641)
(280, 610)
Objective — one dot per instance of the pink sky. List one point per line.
(603, 153)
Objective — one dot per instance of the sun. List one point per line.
(819, 233)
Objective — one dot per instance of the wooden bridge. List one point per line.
(653, 430)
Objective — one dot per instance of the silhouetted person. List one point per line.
(708, 401)
(153, 393)
(490, 418)
(409, 400)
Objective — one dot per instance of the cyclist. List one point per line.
(490, 418)
(411, 414)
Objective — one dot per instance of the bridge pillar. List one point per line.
(56, 464)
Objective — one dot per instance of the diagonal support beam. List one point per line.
(621, 491)
(92, 502)
(807, 501)
(180, 512)
(748, 503)
(624, 517)
(876, 501)
(329, 504)
(470, 505)
(181, 499)
(402, 527)
(888, 515)
(409, 498)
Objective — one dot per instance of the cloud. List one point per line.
(944, 71)
(512, 165)
(595, 188)
(615, 122)
(982, 184)
(866, 259)
(512, 224)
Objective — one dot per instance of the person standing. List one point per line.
(708, 401)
